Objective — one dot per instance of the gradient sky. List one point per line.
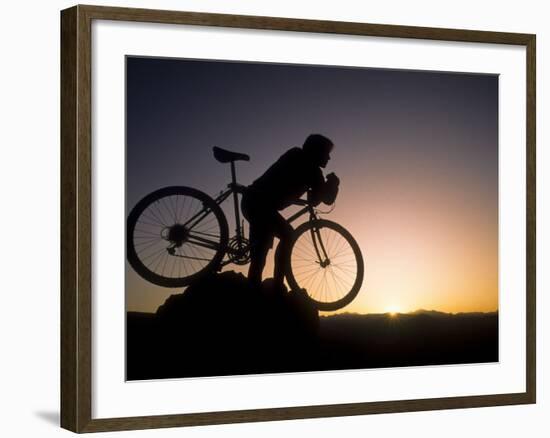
(416, 152)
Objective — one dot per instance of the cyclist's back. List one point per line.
(287, 179)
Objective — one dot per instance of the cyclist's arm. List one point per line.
(323, 190)
(315, 194)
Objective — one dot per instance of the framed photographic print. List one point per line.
(268, 218)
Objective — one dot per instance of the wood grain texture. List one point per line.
(303, 412)
(301, 25)
(531, 217)
(84, 219)
(76, 222)
(68, 232)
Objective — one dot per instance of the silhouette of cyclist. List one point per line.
(296, 172)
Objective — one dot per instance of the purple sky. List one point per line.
(417, 154)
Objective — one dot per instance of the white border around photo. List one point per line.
(114, 397)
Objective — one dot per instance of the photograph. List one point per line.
(297, 218)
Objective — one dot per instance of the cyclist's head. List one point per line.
(318, 148)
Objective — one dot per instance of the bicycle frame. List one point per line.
(234, 188)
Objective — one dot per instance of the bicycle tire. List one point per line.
(155, 235)
(294, 254)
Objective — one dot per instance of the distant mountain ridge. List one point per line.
(220, 325)
(414, 312)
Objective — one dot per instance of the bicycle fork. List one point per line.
(320, 250)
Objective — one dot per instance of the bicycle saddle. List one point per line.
(225, 156)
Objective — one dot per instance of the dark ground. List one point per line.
(219, 326)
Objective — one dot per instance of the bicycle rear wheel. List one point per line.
(175, 235)
(325, 261)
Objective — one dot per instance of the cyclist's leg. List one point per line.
(265, 223)
(260, 243)
(283, 230)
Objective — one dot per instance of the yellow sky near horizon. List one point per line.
(423, 248)
(416, 152)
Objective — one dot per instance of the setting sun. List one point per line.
(392, 311)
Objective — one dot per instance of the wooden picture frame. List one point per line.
(76, 218)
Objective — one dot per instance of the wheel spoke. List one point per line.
(330, 280)
(161, 248)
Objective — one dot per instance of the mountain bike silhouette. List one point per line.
(177, 234)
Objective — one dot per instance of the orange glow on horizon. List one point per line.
(426, 244)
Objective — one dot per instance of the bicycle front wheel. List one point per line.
(175, 235)
(325, 261)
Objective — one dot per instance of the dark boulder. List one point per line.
(220, 325)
